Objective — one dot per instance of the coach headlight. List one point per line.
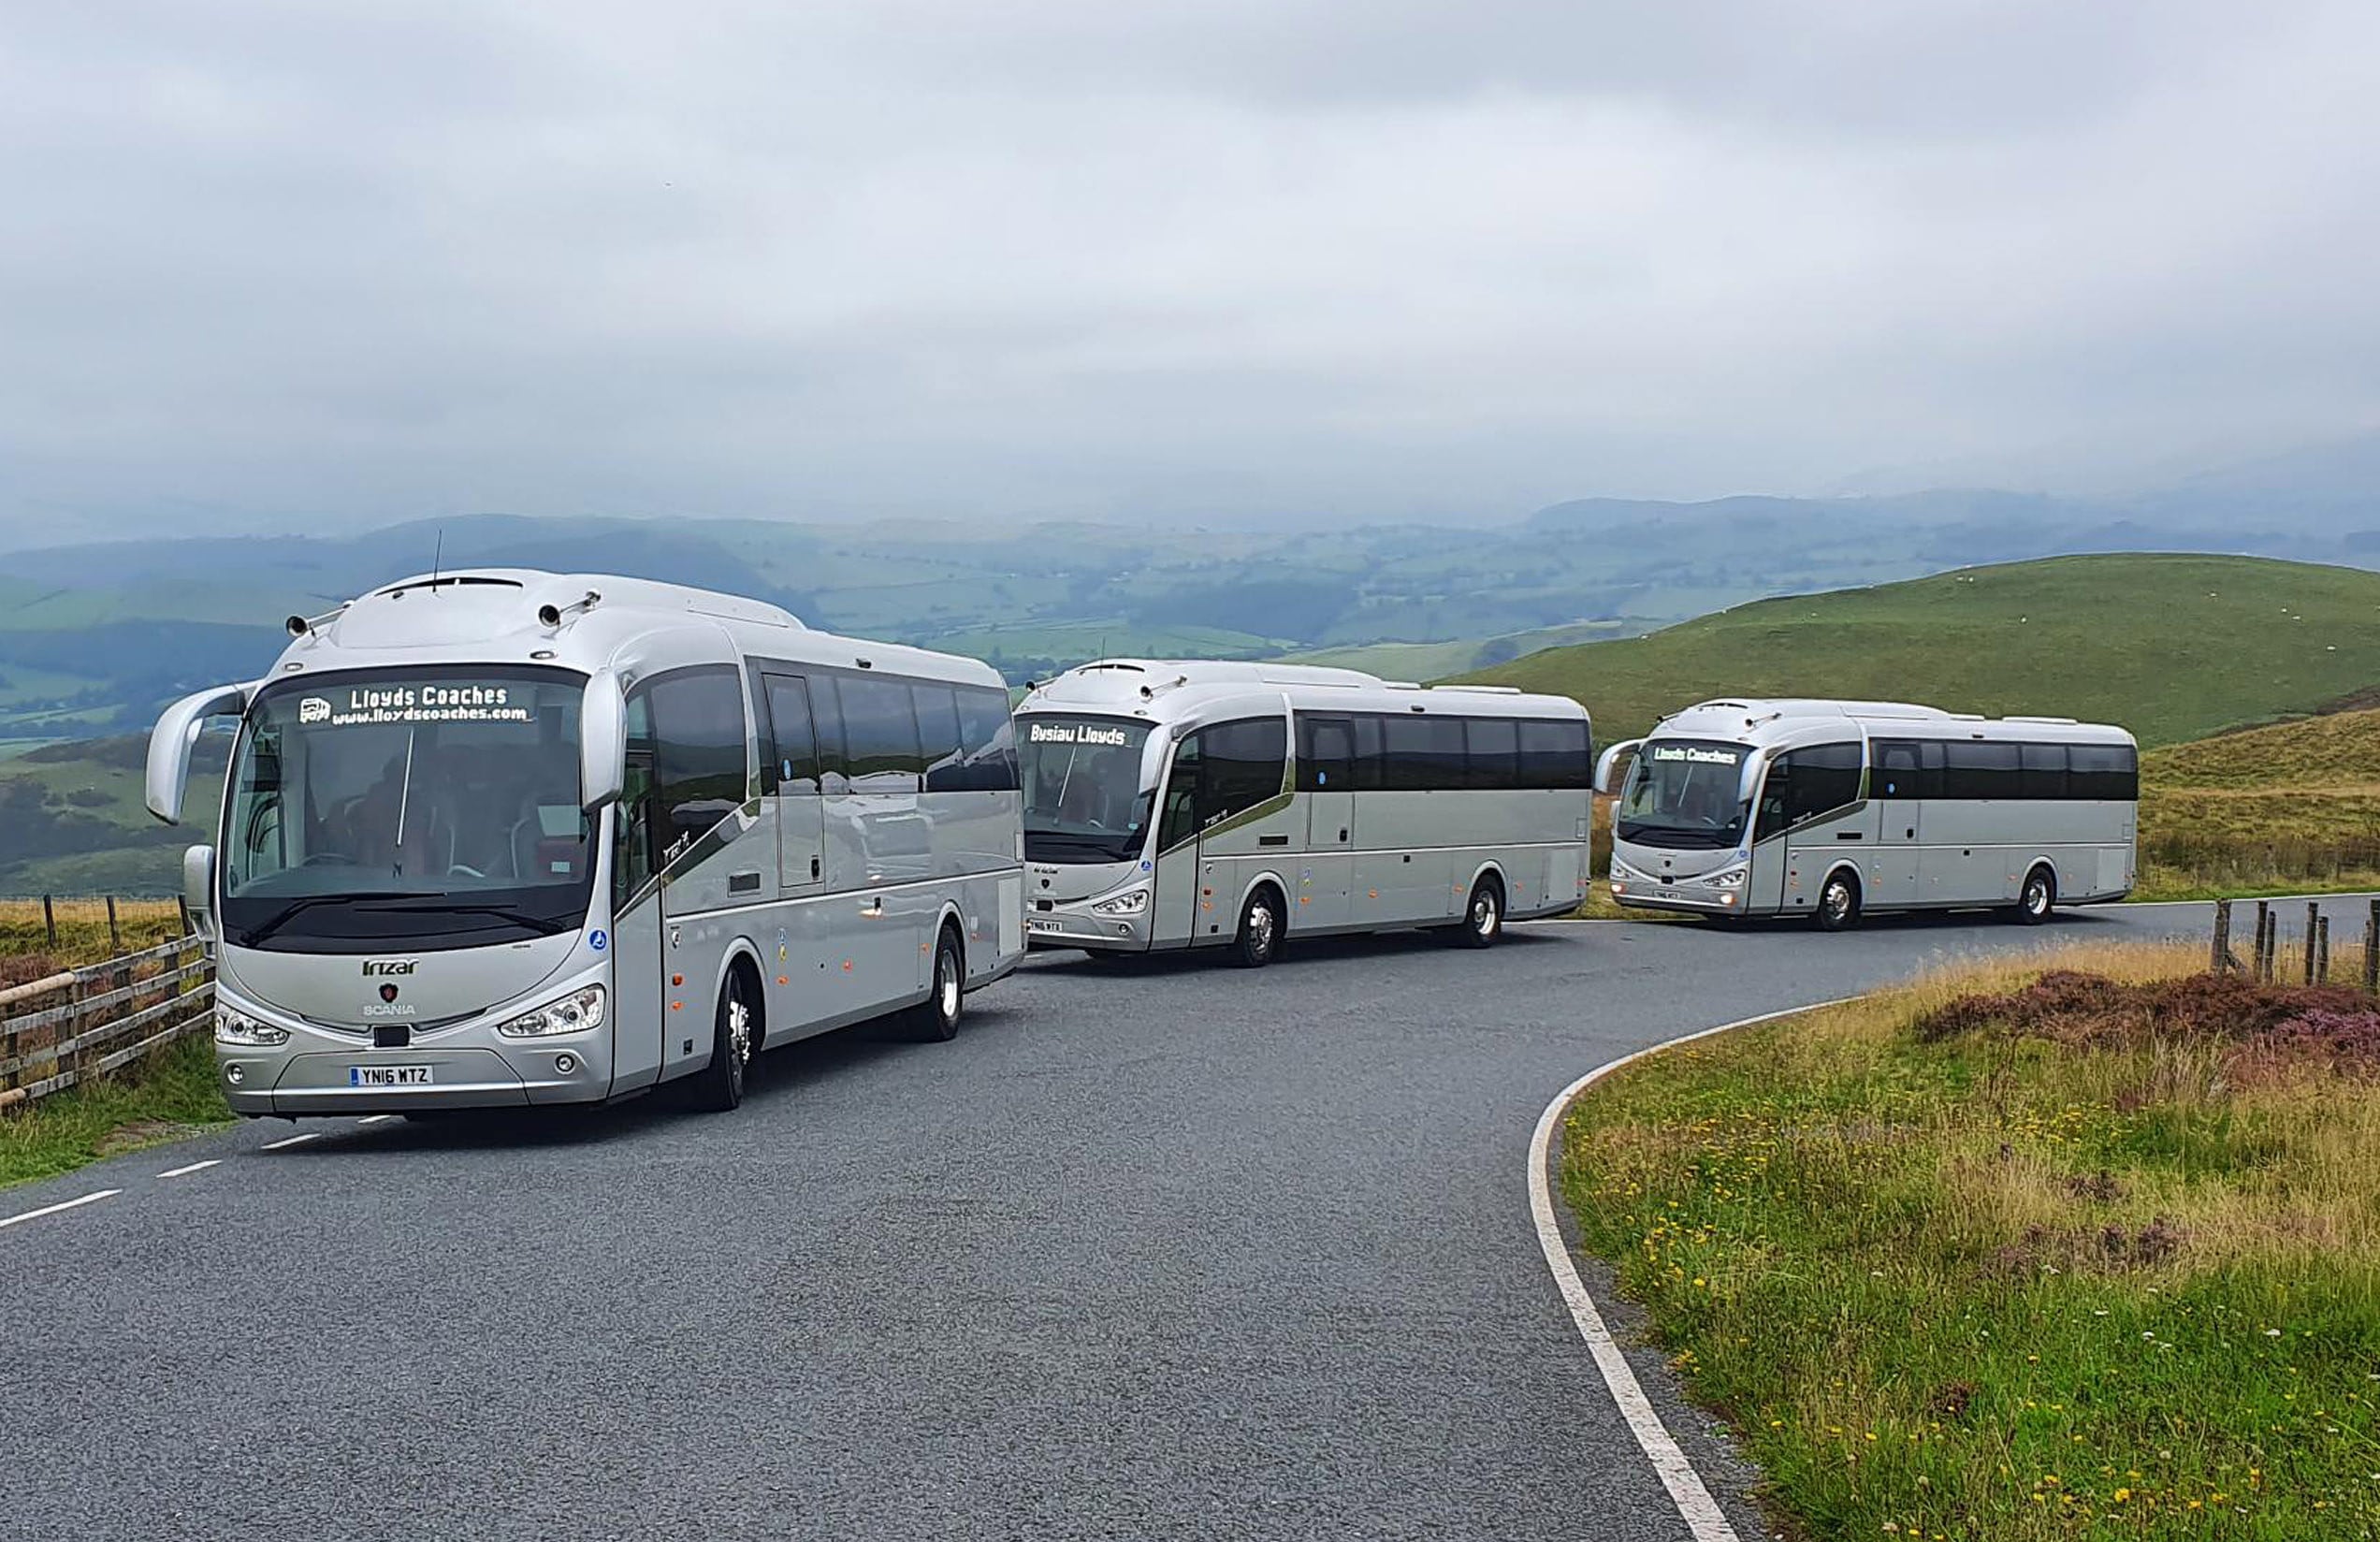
(234, 1027)
(1622, 873)
(1732, 878)
(574, 1014)
(1131, 902)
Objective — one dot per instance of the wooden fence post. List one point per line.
(2219, 959)
(2264, 941)
(181, 902)
(2313, 926)
(115, 932)
(2322, 952)
(49, 923)
(2372, 950)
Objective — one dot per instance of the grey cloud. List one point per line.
(284, 263)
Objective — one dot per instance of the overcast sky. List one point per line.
(318, 263)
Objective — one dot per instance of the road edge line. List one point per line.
(1704, 1520)
(93, 1197)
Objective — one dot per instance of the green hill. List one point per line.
(2173, 647)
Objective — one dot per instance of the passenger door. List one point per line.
(790, 777)
(638, 1003)
(1898, 786)
(1326, 779)
(1176, 919)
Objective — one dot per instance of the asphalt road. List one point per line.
(1182, 1252)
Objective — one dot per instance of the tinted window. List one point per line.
(696, 720)
(880, 736)
(2103, 771)
(1325, 755)
(1243, 767)
(2043, 767)
(1372, 756)
(1907, 768)
(790, 764)
(1973, 768)
(1181, 789)
(938, 721)
(826, 720)
(987, 740)
(1494, 754)
(1557, 755)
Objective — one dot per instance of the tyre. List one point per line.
(735, 1043)
(1259, 934)
(935, 1020)
(1838, 903)
(1483, 916)
(2035, 901)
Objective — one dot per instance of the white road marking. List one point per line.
(293, 1140)
(1705, 1521)
(375, 1118)
(93, 1197)
(195, 1167)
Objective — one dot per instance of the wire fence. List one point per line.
(2274, 942)
(41, 935)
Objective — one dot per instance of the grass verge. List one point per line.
(170, 1095)
(1995, 1256)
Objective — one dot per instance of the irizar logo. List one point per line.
(379, 968)
(313, 709)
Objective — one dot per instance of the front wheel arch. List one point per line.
(1828, 918)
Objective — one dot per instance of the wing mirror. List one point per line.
(602, 742)
(172, 740)
(199, 888)
(1607, 765)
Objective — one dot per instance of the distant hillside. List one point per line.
(94, 638)
(72, 821)
(2271, 805)
(1435, 661)
(2170, 646)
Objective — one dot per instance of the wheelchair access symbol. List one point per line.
(599, 940)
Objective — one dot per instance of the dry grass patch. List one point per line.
(2072, 1245)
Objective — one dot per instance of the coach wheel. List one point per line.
(1838, 903)
(2035, 901)
(1259, 934)
(736, 1041)
(1483, 917)
(935, 1020)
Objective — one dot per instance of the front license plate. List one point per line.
(388, 1076)
(1034, 923)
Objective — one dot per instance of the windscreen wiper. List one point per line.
(281, 917)
(542, 925)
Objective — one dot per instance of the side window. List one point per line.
(1404, 744)
(1557, 755)
(1825, 777)
(1325, 755)
(880, 735)
(988, 740)
(1244, 763)
(698, 739)
(1776, 799)
(1976, 768)
(1805, 783)
(1182, 794)
(1905, 768)
(1492, 757)
(2044, 770)
(938, 721)
(790, 765)
(1371, 760)
(633, 829)
(2103, 772)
